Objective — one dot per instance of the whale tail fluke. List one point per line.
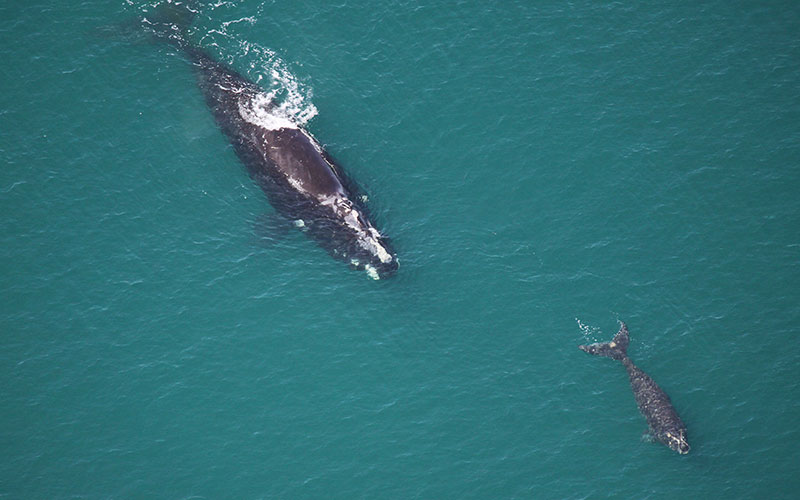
(616, 349)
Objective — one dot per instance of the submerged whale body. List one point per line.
(299, 177)
(665, 424)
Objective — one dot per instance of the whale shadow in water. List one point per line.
(301, 180)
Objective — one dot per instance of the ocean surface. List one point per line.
(544, 170)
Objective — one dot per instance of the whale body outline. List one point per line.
(663, 421)
(300, 178)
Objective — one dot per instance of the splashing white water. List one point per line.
(261, 111)
(285, 99)
(589, 332)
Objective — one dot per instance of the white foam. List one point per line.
(287, 97)
(249, 20)
(260, 111)
(589, 332)
(285, 102)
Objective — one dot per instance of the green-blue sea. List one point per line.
(544, 169)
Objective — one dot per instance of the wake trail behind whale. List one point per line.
(285, 101)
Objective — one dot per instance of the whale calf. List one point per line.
(301, 180)
(665, 424)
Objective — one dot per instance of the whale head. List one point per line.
(373, 253)
(357, 241)
(676, 440)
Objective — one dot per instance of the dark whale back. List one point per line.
(299, 177)
(664, 423)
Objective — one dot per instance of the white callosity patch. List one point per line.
(372, 272)
(375, 246)
(368, 236)
(297, 184)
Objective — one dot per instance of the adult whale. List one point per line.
(301, 180)
(665, 424)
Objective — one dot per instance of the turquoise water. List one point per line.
(543, 169)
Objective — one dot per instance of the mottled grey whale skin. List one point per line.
(299, 177)
(665, 424)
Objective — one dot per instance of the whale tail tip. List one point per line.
(616, 349)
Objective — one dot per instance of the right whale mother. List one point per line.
(665, 424)
(301, 180)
